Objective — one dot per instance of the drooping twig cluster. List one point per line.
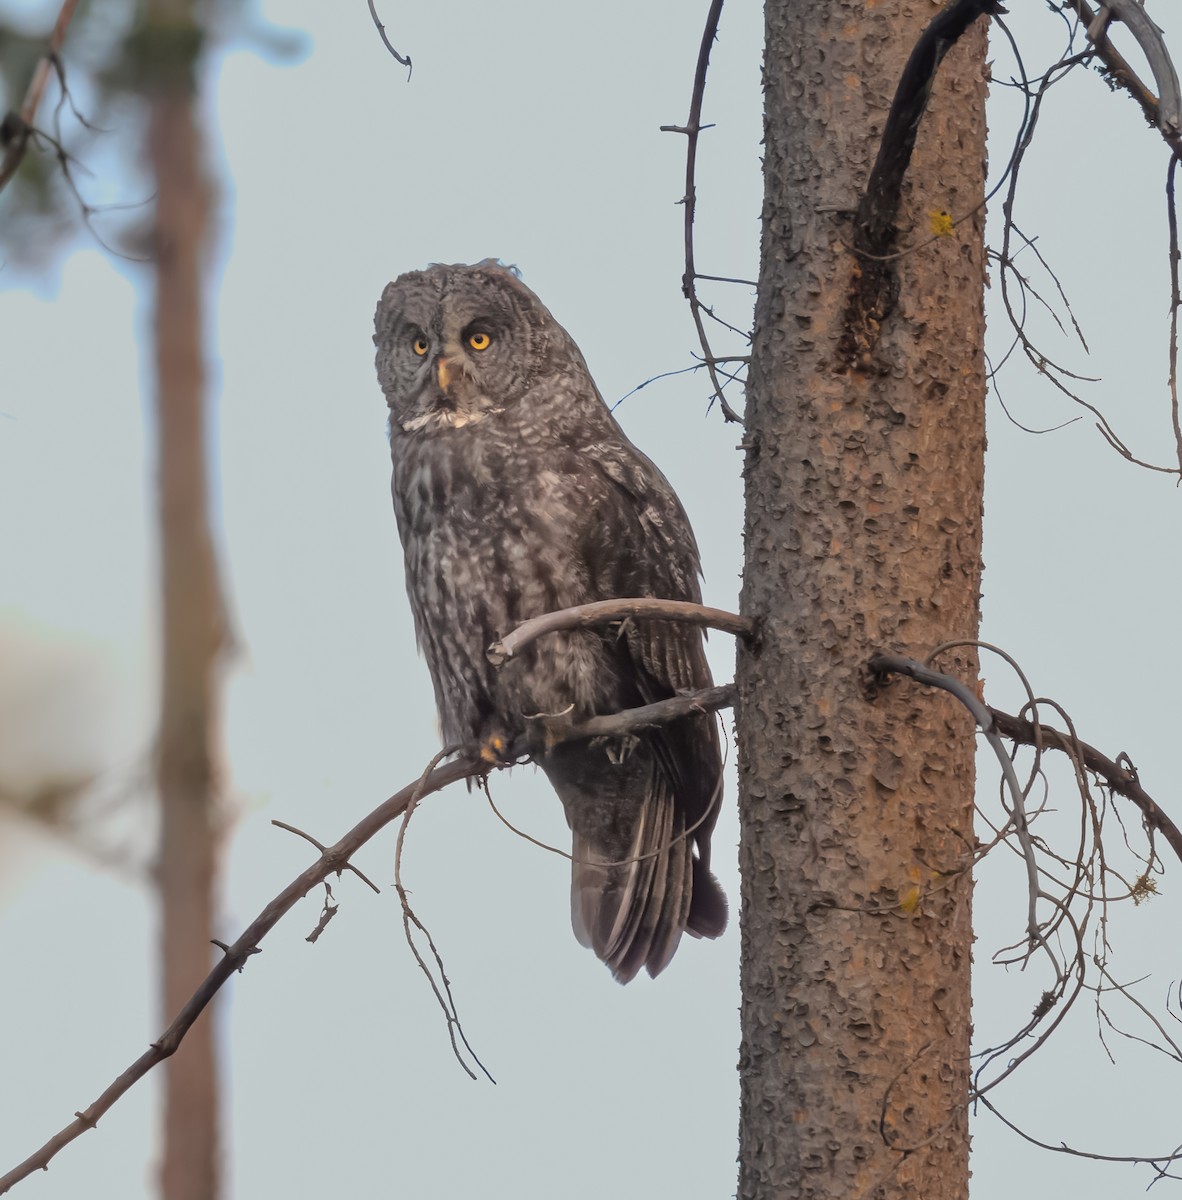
(1070, 890)
(1087, 43)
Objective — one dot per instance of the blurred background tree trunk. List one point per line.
(192, 612)
(863, 530)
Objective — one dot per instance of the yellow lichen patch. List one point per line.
(919, 879)
(940, 223)
(1144, 889)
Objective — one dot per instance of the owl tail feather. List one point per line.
(632, 909)
(708, 907)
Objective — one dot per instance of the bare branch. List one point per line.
(692, 128)
(1175, 304)
(1160, 1161)
(633, 720)
(403, 59)
(324, 849)
(604, 612)
(17, 127)
(1121, 779)
(442, 989)
(330, 862)
(333, 860)
(1164, 114)
(1075, 883)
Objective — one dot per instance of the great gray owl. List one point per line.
(517, 493)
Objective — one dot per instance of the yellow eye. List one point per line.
(479, 341)
(420, 346)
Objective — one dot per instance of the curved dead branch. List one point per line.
(883, 664)
(1121, 779)
(1119, 775)
(404, 59)
(1076, 884)
(1164, 111)
(604, 612)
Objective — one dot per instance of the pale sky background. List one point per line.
(528, 132)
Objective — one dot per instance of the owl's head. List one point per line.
(457, 344)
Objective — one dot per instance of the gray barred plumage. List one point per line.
(516, 493)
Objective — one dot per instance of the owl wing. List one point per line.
(636, 884)
(661, 560)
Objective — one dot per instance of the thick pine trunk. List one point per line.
(862, 534)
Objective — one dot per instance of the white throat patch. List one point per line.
(443, 418)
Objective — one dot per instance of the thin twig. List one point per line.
(1062, 1148)
(691, 129)
(1175, 303)
(1051, 370)
(17, 127)
(324, 850)
(330, 862)
(442, 989)
(1119, 779)
(404, 59)
(1165, 117)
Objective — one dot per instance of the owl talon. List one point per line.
(494, 750)
(618, 749)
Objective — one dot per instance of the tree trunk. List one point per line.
(863, 533)
(192, 610)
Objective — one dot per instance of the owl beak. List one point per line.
(442, 374)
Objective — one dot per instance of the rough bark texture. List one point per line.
(863, 534)
(192, 634)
